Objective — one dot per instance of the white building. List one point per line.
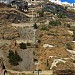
(56, 1)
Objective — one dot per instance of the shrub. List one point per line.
(41, 13)
(34, 53)
(47, 63)
(73, 35)
(44, 28)
(61, 15)
(66, 7)
(39, 41)
(14, 58)
(35, 26)
(68, 45)
(23, 46)
(54, 23)
(67, 25)
(73, 61)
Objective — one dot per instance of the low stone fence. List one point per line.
(47, 72)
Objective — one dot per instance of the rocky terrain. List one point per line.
(49, 39)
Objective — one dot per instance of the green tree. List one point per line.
(14, 58)
(23, 46)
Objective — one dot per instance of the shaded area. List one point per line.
(65, 72)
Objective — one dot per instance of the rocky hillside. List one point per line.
(12, 15)
(53, 33)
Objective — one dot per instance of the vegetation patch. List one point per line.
(35, 26)
(54, 23)
(69, 46)
(73, 61)
(23, 46)
(41, 13)
(73, 35)
(44, 28)
(14, 58)
(61, 15)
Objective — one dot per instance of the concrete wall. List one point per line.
(47, 72)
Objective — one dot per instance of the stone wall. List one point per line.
(48, 72)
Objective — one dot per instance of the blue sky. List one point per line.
(70, 1)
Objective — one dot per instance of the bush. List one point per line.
(61, 15)
(34, 53)
(73, 35)
(54, 23)
(39, 41)
(68, 25)
(66, 7)
(14, 58)
(41, 13)
(35, 26)
(23, 46)
(68, 45)
(73, 61)
(44, 28)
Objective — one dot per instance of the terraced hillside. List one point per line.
(47, 43)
